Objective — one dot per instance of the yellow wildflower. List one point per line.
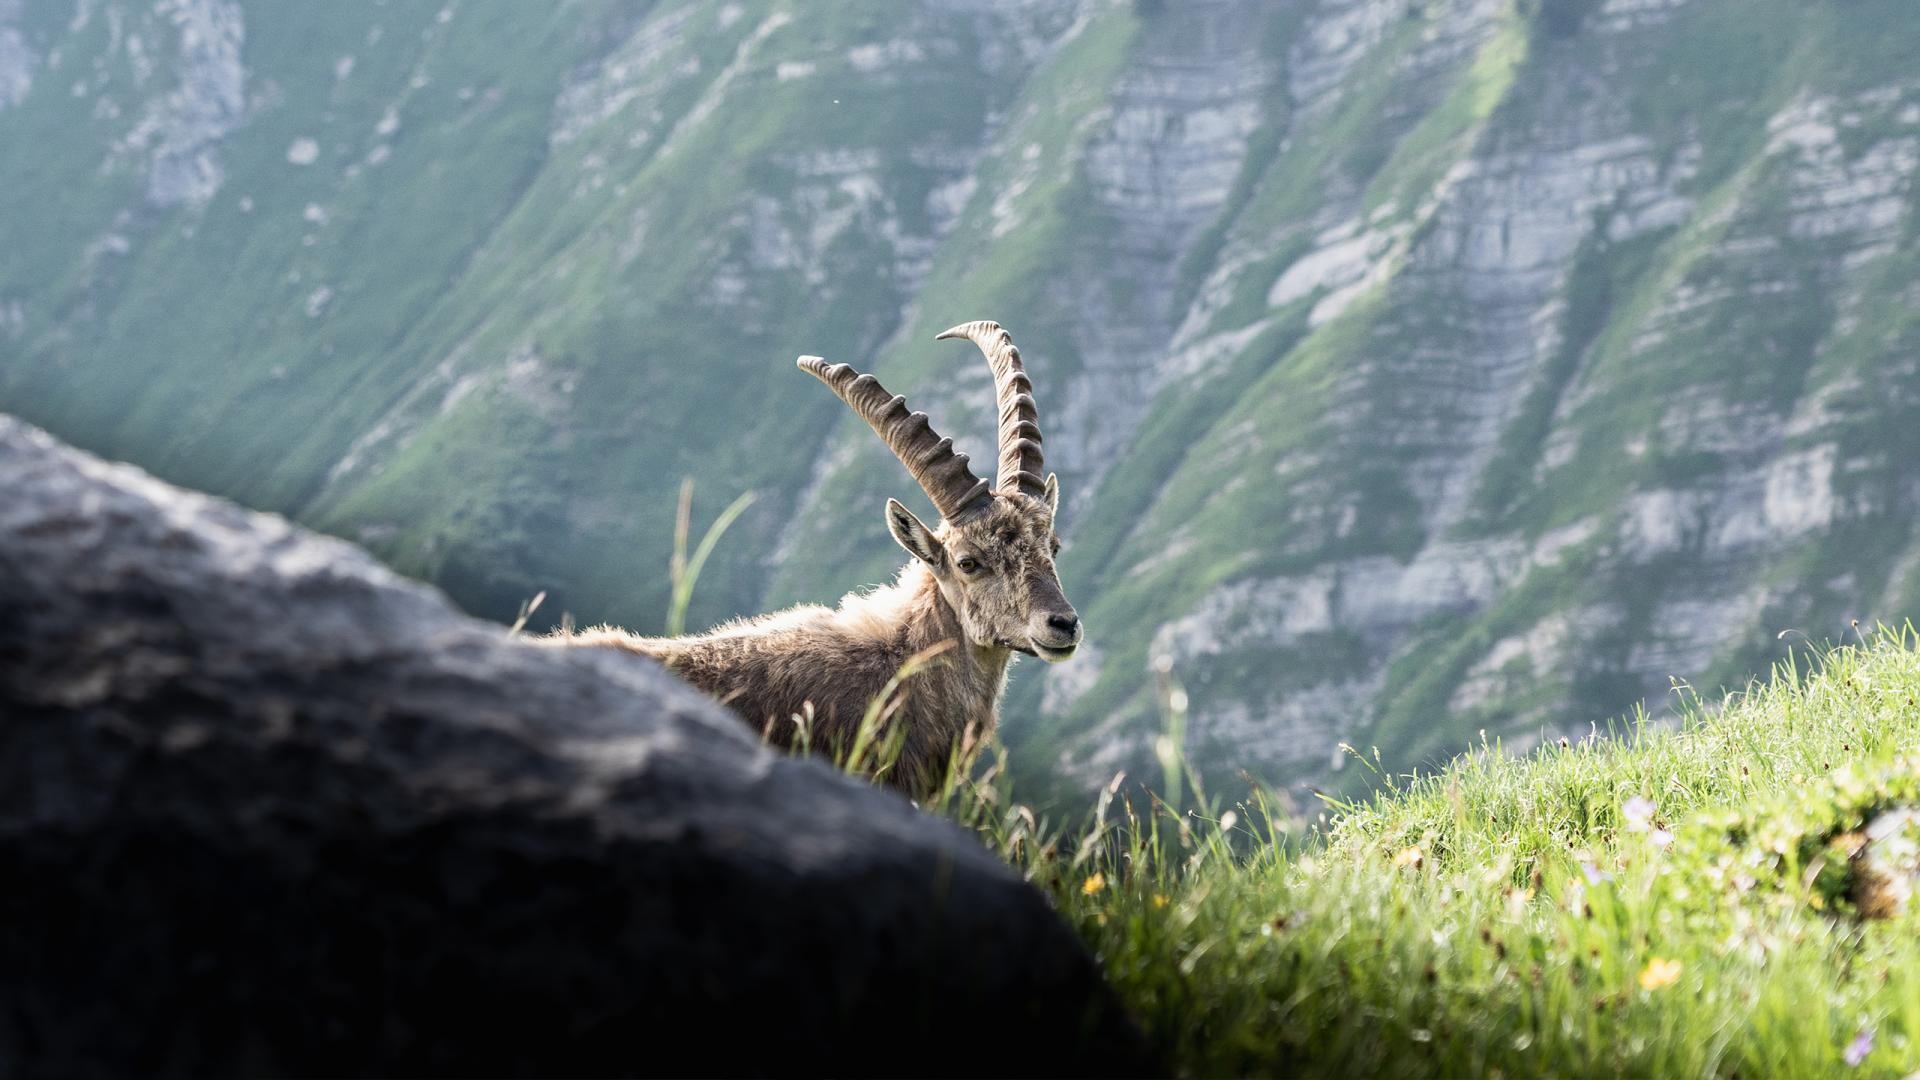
(1411, 856)
(1659, 972)
(1159, 900)
(1094, 884)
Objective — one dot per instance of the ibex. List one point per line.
(979, 588)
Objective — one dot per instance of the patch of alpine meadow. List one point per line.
(1724, 899)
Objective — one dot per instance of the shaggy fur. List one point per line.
(976, 591)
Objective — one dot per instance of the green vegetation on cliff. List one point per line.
(1412, 368)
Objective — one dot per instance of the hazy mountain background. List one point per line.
(1412, 367)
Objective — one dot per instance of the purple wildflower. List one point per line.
(1859, 1048)
(1638, 811)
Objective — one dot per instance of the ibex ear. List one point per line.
(1052, 493)
(912, 533)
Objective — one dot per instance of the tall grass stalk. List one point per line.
(684, 571)
(527, 608)
(878, 742)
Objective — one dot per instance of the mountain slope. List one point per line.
(1412, 368)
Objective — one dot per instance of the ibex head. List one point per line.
(992, 554)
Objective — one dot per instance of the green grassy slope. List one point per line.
(1646, 903)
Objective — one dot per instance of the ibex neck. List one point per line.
(931, 622)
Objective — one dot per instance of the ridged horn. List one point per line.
(941, 473)
(1022, 463)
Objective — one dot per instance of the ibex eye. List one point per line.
(968, 565)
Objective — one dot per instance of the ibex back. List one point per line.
(980, 587)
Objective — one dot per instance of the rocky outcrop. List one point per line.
(1468, 528)
(179, 134)
(17, 61)
(266, 807)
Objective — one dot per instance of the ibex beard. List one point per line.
(980, 586)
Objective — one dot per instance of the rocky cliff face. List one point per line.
(1413, 368)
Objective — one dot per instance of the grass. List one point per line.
(1672, 902)
(1648, 901)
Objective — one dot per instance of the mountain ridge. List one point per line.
(1412, 369)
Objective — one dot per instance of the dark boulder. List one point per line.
(266, 807)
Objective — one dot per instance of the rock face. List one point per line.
(1412, 367)
(16, 60)
(1887, 864)
(267, 808)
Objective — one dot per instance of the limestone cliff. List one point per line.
(1414, 367)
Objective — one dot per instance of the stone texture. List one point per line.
(17, 61)
(266, 807)
(1887, 864)
(180, 134)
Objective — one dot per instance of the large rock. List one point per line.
(266, 807)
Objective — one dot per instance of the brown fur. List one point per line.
(829, 664)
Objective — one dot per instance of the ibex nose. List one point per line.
(1068, 625)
